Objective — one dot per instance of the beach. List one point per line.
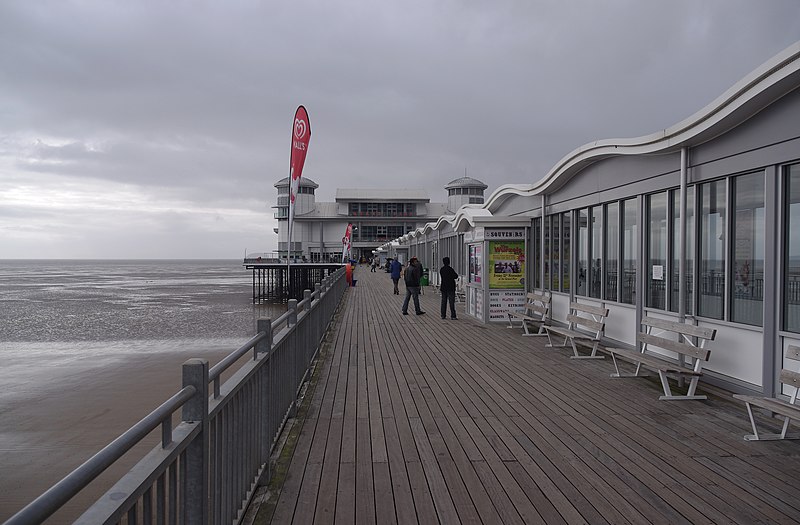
(98, 367)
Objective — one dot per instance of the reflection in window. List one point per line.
(748, 249)
(583, 251)
(536, 246)
(566, 244)
(712, 249)
(556, 252)
(595, 251)
(675, 196)
(657, 250)
(791, 291)
(612, 251)
(546, 255)
(630, 234)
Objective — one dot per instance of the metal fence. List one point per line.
(207, 468)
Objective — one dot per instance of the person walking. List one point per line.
(447, 285)
(395, 268)
(413, 276)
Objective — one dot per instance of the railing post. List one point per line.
(195, 509)
(293, 339)
(264, 347)
(308, 329)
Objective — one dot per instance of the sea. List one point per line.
(88, 347)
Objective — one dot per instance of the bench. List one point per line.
(535, 312)
(681, 345)
(788, 409)
(585, 323)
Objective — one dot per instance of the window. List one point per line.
(547, 251)
(712, 249)
(748, 249)
(630, 235)
(566, 245)
(583, 252)
(657, 250)
(536, 246)
(612, 252)
(555, 252)
(791, 241)
(675, 213)
(595, 251)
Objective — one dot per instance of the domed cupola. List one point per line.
(305, 197)
(464, 190)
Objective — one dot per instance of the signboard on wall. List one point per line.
(503, 301)
(476, 263)
(507, 264)
(505, 234)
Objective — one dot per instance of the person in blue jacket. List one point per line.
(395, 268)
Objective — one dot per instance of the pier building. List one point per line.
(377, 215)
(697, 222)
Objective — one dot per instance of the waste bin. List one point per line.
(424, 280)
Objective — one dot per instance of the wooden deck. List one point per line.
(415, 419)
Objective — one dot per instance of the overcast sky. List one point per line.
(151, 129)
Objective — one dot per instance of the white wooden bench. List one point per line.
(788, 409)
(534, 312)
(682, 345)
(585, 323)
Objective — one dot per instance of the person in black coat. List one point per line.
(413, 274)
(447, 285)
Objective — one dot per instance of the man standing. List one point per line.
(447, 285)
(413, 276)
(395, 267)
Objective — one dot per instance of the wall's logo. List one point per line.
(299, 128)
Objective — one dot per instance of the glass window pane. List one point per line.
(675, 196)
(712, 249)
(791, 243)
(748, 249)
(536, 249)
(556, 253)
(583, 251)
(612, 251)
(630, 236)
(595, 250)
(657, 250)
(547, 252)
(566, 254)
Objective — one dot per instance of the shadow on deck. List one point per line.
(414, 419)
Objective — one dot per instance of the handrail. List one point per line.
(215, 371)
(53, 499)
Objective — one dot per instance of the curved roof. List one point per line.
(465, 182)
(305, 183)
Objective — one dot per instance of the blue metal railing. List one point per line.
(207, 468)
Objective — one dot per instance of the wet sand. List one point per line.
(57, 411)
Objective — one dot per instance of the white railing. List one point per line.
(207, 468)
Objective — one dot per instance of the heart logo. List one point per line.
(299, 128)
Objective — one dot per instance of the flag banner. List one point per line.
(348, 233)
(301, 134)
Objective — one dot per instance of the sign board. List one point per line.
(503, 301)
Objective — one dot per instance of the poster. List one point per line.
(475, 263)
(506, 264)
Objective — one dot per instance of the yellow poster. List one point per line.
(506, 264)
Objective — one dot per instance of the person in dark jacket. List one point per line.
(396, 268)
(413, 275)
(447, 285)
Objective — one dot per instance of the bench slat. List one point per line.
(583, 321)
(571, 333)
(790, 378)
(588, 308)
(674, 346)
(772, 404)
(681, 328)
(793, 352)
(653, 362)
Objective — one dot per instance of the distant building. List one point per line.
(377, 215)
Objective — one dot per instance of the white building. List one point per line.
(377, 215)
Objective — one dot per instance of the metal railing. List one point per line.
(207, 468)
